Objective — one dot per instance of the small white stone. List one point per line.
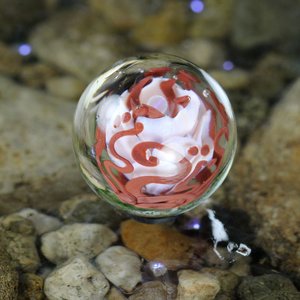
(42, 222)
(76, 279)
(121, 266)
(71, 240)
(197, 286)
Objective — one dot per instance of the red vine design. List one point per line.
(194, 170)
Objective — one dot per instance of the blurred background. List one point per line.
(51, 49)
(251, 47)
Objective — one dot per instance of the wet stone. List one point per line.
(31, 287)
(88, 208)
(267, 287)
(241, 267)
(10, 60)
(167, 26)
(203, 52)
(76, 279)
(125, 14)
(197, 286)
(85, 46)
(269, 191)
(251, 112)
(121, 267)
(232, 80)
(228, 281)
(71, 240)
(9, 277)
(43, 223)
(36, 75)
(66, 87)
(271, 74)
(215, 21)
(115, 294)
(19, 16)
(260, 23)
(150, 290)
(17, 224)
(211, 259)
(36, 169)
(158, 242)
(22, 250)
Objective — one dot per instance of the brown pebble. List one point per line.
(158, 242)
(31, 287)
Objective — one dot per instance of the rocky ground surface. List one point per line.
(58, 241)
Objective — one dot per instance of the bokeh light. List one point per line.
(24, 49)
(197, 6)
(228, 65)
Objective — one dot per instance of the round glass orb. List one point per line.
(154, 135)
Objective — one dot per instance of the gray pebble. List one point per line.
(89, 208)
(42, 222)
(121, 266)
(194, 285)
(76, 279)
(71, 240)
(267, 287)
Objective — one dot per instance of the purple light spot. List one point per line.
(228, 65)
(24, 49)
(193, 224)
(197, 6)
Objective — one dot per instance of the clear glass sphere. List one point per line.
(154, 135)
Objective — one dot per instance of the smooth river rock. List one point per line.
(75, 239)
(194, 285)
(265, 182)
(37, 166)
(121, 266)
(43, 223)
(266, 22)
(158, 242)
(89, 208)
(76, 279)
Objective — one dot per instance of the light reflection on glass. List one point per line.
(157, 268)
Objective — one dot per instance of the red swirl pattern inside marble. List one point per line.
(158, 143)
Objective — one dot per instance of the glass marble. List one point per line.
(154, 135)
